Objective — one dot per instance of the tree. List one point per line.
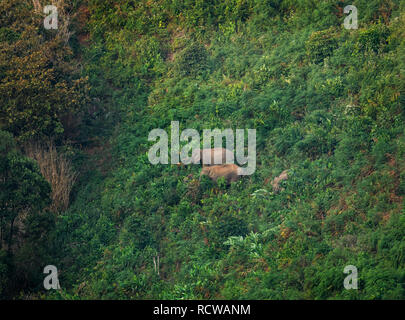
(24, 193)
(23, 190)
(39, 88)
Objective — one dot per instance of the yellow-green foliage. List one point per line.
(326, 103)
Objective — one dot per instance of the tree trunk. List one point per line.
(10, 236)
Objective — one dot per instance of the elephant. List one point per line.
(231, 172)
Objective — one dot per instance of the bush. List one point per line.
(192, 61)
(372, 38)
(321, 44)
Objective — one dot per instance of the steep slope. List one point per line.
(326, 103)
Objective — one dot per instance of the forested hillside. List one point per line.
(78, 190)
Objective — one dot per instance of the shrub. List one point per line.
(230, 226)
(321, 44)
(372, 38)
(192, 60)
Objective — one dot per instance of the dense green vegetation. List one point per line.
(327, 104)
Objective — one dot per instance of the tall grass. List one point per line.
(56, 169)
